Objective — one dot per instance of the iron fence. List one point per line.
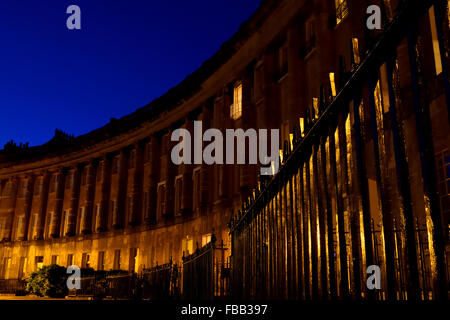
(365, 154)
(12, 286)
(206, 273)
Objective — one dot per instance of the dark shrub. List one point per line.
(50, 281)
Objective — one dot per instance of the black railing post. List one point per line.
(426, 151)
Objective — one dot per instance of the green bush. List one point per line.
(50, 281)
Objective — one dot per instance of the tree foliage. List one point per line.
(49, 281)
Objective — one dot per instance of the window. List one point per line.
(129, 206)
(20, 223)
(187, 245)
(69, 181)
(35, 223)
(206, 238)
(69, 259)
(341, 10)
(22, 267)
(54, 183)
(6, 266)
(282, 60)
(315, 108)
(39, 186)
(310, 38)
(55, 259)
(39, 262)
(51, 220)
(23, 189)
(132, 159)
(147, 153)
(99, 176)
(332, 84)
(82, 214)
(86, 260)
(146, 204)
(2, 227)
(97, 216)
(66, 221)
(355, 51)
(101, 260)
(113, 207)
(115, 165)
(116, 259)
(133, 263)
(236, 107)
(178, 194)
(161, 199)
(434, 38)
(196, 185)
(8, 189)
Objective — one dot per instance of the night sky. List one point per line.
(127, 53)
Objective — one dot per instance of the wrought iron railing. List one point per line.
(206, 273)
(349, 165)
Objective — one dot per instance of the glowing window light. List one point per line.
(355, 49)
(332, 84)
(435, 40)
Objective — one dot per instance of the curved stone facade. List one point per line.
(113, 199)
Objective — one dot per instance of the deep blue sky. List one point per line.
(127, 53)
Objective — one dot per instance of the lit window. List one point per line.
(117, 259)
(39, 262)
(341, 10)
(101, 260)
(86, 260)
(332, 84)
(2, 227)
(82, 216)
(434, 37)
(206, 238)
(187, 245)
(236, 107)
(66, 221)
(97, 216)
(316, 108)
(20, 223)
(355, 49)
(69, 259)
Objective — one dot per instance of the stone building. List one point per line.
(113, 199)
